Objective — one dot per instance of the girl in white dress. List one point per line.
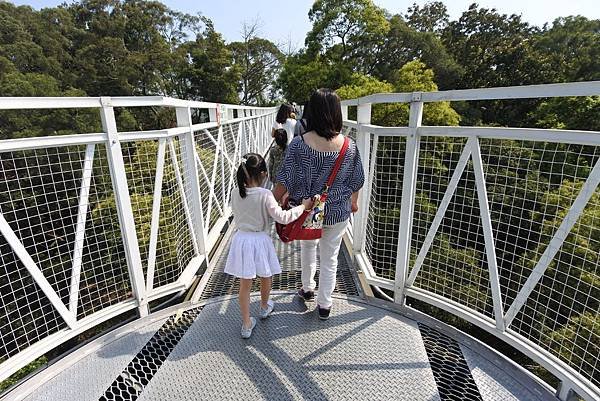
(252, 252)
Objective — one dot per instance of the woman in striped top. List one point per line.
(306, 167)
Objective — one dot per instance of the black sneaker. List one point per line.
(323, 313)
(306, 295)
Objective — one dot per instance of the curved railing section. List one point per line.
(498, 226)
(95, 225)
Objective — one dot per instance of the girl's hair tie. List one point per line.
(244, 161)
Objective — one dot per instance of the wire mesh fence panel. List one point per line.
(231, 159)
(438, 159)
(532, 190)
(104, 273)
(385, 195)
(455, 265)
(218, 185)
(351, 132)
(207, 155)
(140, 160)
(176, 247)
(38, 200)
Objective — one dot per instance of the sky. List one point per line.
(288, 25)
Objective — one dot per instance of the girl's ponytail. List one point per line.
(241, 181)
(250, 169)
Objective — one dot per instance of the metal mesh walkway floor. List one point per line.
(363, 352)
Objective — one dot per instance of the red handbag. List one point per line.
(309, 225)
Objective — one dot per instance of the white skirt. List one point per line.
(252, 254)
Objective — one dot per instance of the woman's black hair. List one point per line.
(306, 111)
(283, 113)
(325, 113)
(249, 170)
(281, 138)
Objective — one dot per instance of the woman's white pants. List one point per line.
(329, 247)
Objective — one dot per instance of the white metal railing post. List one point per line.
(344, 112)
(407, 205)
(212, 114)
(123, 203)
(82, 213)
(363, 143)
(191, 178)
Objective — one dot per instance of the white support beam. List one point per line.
(441, 211)
(123, 203)
(154, 224)
(82, 210)
(587, 191)
(190, 178)
(488, 234)
(518, 134)
(590, 88)
(213, 177)
(184, 202)
(222, 159)
(207, 180)
(363, 145)
(234, 166)
(16, 245)
(407, 206)
(11, 145)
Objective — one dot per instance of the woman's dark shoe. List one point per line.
(323, 313)
(306, 295)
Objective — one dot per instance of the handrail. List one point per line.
(443, 186)
(137, 213)
(589, 88)
(55, 102)
(149, 187)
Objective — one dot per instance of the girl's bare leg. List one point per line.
(244, 298)
(265, 290)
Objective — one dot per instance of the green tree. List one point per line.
(210, 75)
(404, 44)
(412, 77)
(350, 32)
(574, 113)
(301, 75)
(259, 63)
(432, 17)
(494, 49)
(570, 49)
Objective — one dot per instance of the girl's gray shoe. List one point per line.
(264, 313)
(247, 332)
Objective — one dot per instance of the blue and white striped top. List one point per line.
(305, 171)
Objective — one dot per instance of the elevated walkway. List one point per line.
(495, 227)
(364, 352)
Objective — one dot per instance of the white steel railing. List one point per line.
(94, 225)
(498, 226)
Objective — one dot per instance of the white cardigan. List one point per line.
(254, 212)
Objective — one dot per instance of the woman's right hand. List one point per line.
(308, 203)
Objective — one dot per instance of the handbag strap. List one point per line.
(337, 165)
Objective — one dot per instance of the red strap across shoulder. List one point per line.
(338, 162)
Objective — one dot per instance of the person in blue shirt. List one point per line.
(308, 161)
